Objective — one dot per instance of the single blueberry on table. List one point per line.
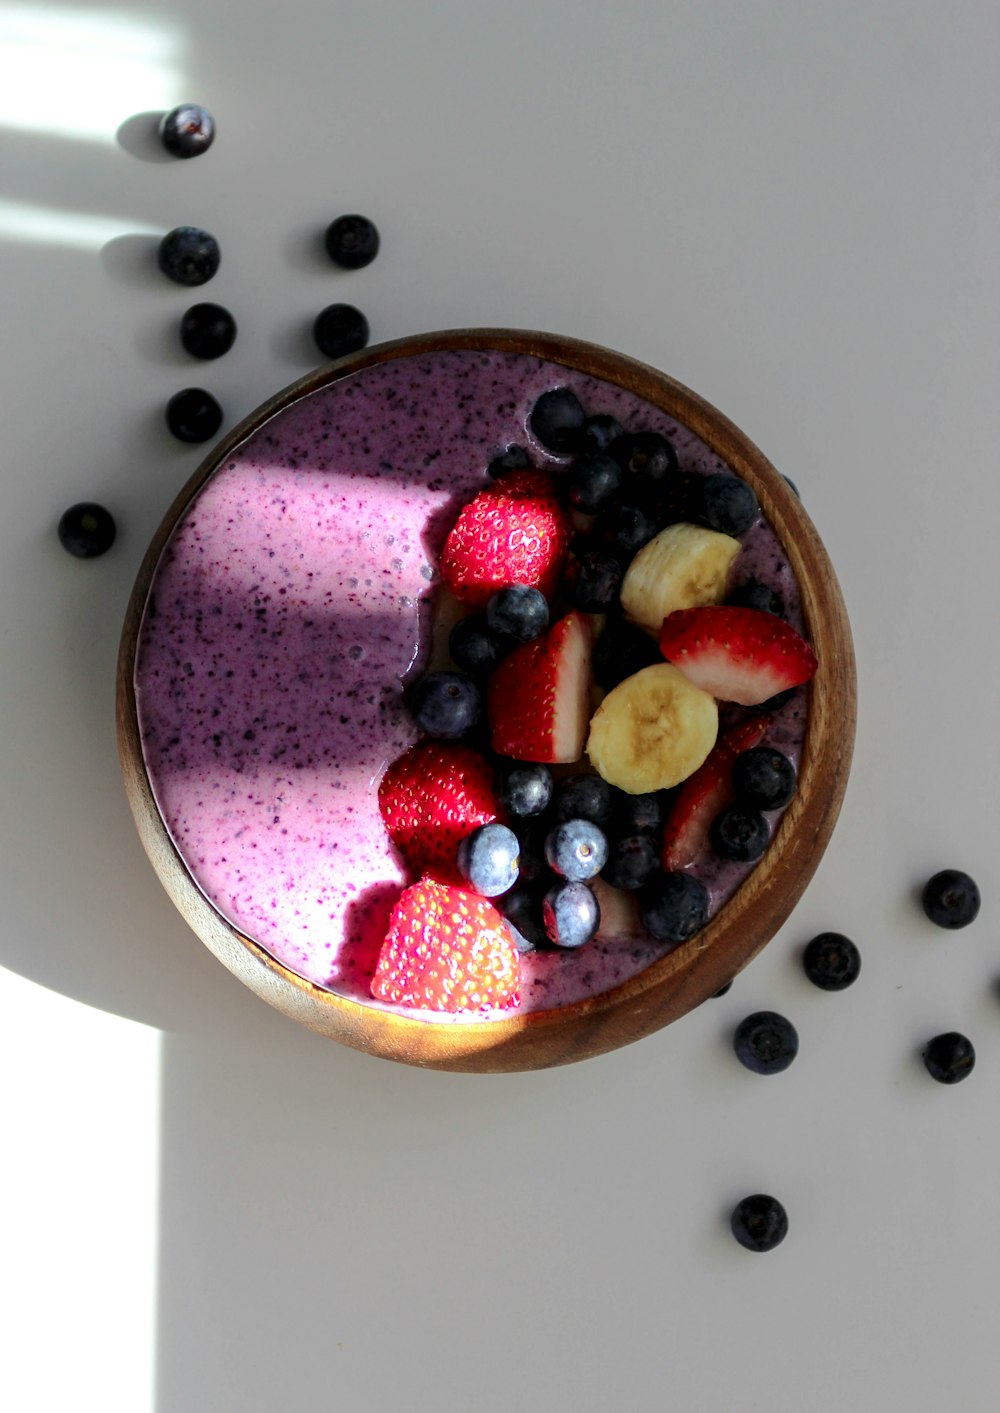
(593, 581)
(583, 796)
(600, 431)
(340, 329)
(512, 458)
(723, 990)
(351, 242)
(793, 486)
(207, 331)
(445, 705)
(193, 415)
(187, 131)
(727, 504)
(674, 906)
(557, 420)
(766, 1042)
(754, 594)
(526, 789)
(577, 850)
(951, 898)
(832, 961)
(488, 859)
(86, 530)
(632, 862)
(188, 256)
(592, 482)
(949, 1058)
(571, 914)
(763, 778)
(739, 834)
(519, 612)
(759, 1222)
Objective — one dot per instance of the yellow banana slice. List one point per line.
(653, 730)
(684, 566)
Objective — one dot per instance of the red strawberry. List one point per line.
(706, 794)
(431, 797)
(539, 697)
(516, 532)
(738, 654)
(447, 950)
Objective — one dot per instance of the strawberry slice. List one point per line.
(431, 797)
(516, 532)
(738, 654)
(447, 950)
(538, 700)
(706, 794)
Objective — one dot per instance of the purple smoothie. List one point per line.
(293, 598)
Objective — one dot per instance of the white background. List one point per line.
(792, 207)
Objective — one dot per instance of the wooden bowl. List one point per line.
(684, 977)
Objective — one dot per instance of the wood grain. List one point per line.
(695, 970)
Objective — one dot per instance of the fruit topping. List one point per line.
(638, 814)
(674, 906)
(207, 331)
(538, 698)
(831, 961)
(445, 705)
(759, 1222)
(620, 651)
(488, 859)
(706, 794)
(584, 796)
(764, 779)
(594, 580)
(526, 790)
(571, 914)
(447, 950)
(516, 532)
(188, 256)
(592, 482)
(737, 654)
(473, 647)
(86, 530)
(193, 415)
(512, 458)
(727, 504)
(518, 613)
(576, 850)
(949, 1058)
(600, 431)
(951, 898)
(351, 241)
(557, 420)
(633, 860)
(648, 460)
(766, 1042)
(340, 329)
(653, 730)
(739, 833)
(187, 131)
(522, 909)
(754, 594)
(625, 529)
(684, 566)
(431, 797)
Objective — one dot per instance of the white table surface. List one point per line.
(792, 208)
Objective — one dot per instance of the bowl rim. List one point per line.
(685, 976)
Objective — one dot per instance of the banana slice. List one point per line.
(684, 566)
(653, 730)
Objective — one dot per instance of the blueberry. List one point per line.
(512, 458)
(625, 529)
(646, 457)
(772, 704)
(577, 850)
(637, 814)
(526, 789)
(473, 647)
(674, 906)
(193, 415)
(739, 834)
(594, 579)
(522, 907)
(592, 482)
(727, 504)
(351, 242)
(519, 612)
(488, 859)
(621, 650)
(951, 898)
(723, 990)
(831, 961)
(766, 1042)
(585, 796)
(86, 530)
(531, 831)
(760, 1222)
(208, 331)
(187, 131)
(571, 914)
(763, 778)
(793, 486)
(445, 705)
(188, 256)
(949, 1058)
(340, 329)
(557, 420)
(754, 594)
(632, 862)
(600, 431)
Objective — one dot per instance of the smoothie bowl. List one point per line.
(486, 700)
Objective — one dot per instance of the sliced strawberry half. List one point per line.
(431, 797)
(706, 794)
(738, 654)
(516, 532)
(447, 949)
(539, 697)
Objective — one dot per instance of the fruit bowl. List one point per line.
(293, 588)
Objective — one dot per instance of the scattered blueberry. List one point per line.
(351, 242)
(831, 961)
(600, 431)
(488, 859)
(951, 898)
(584, 796)
(513, 458)
(526, 790)
(188, 256)
(594, 579)
(86, 530)
(727, 504)
(723, 990)
(577, 850)
(766, 1042)
(340, 329)
(760, 1222)
(207, 331)
(592, 482)
(674, 906)
(754, 594)
(625, 529)
(739, 834)
(632, 861)
(793, 486)
(445, 705)
(621, 650)
(193, 415)
(187, 131)
(571, 914)
(518, 612)
(949, 1058)
(763, 778)
(557, 420)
